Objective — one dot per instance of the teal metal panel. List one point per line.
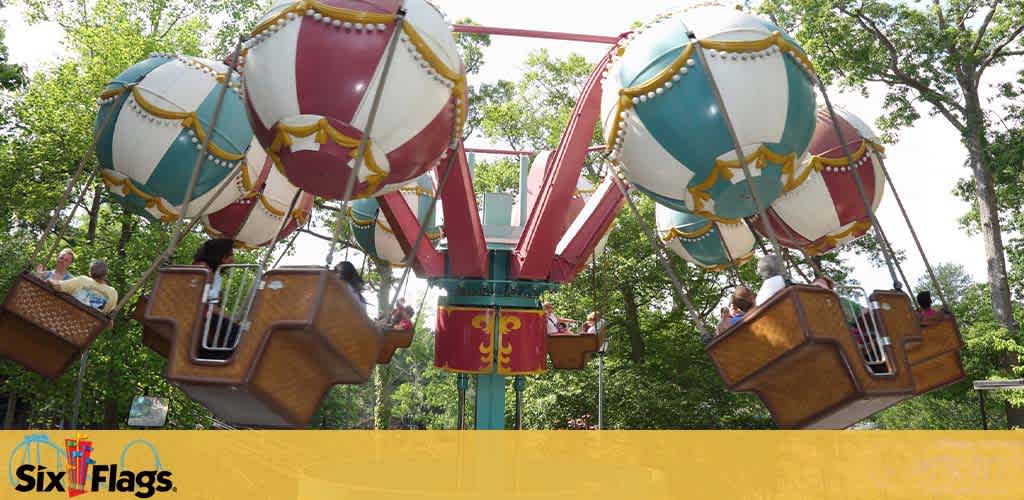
(488, 300)
(490, 402)
(497, 209)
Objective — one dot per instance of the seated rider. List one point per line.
(93, 290)
(64, 260)
(347, 272)
(404, 318)
(594, 323)
(924, 299)
(742, 300)
(396, 313)
(213, 254)
(770, 268)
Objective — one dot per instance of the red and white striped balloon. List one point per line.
(312, 70)
(821, 208)
(264, 195)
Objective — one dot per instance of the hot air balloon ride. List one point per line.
(659, 75)
(711, 245)
(264, 196)
(162, 110)
(709, 111)
(315, 72)
(821, 209)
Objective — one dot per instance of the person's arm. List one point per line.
(67, 286)
(110, 303)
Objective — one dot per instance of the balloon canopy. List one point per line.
(534, 182)
(374, 235)
(822, 208)
(700, 241)
(662, 123)
(162, 110)
(312, 71)
(263, 197)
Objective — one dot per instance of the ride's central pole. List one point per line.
(490, 402)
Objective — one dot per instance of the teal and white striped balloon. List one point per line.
(700, 241)
(663, 125)
(371, 230)
(162, 108)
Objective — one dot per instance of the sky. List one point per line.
(925, 162)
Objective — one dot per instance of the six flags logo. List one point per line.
(83, 474)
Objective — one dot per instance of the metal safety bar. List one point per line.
(228, 301)
(861, 317)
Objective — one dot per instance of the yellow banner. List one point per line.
(486, 465)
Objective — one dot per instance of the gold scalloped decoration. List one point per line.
(324, 132)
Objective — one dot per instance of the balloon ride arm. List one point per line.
(429, 263)
(584, 235)
(468, 258)
(536, 249)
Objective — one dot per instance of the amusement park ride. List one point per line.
(710, 111)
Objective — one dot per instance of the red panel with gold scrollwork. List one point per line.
(464, 339)
(522, 343)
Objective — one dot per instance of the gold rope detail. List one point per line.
(831, 241)
(627, 94)
(818, 163)
(128, 187)
(723, 168)
(324, 131)
(339, 13)
(775, 39)
(189, 119)
(674, 233)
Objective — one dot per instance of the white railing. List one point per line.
(862, 317)
(228, 302)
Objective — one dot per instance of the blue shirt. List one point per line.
(47, 274)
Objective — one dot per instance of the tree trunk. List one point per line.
(127, 228)
(382, 375)
(12, 408)
(382, 398)
(110, 415)
(636, 339)
(991, 230)
(94, 216)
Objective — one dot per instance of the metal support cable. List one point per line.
(409, 259)
(67, 223)
(899, 266)
(889, 259)
(70, 186)
(364, 140)
(205, 144)
(795, 265)
(178, 233)
(179, 228)
(658, 248)
(287, 248)
(277, 235)
(728, 253)
(175, 239)
(740, 156)
(913, 234)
